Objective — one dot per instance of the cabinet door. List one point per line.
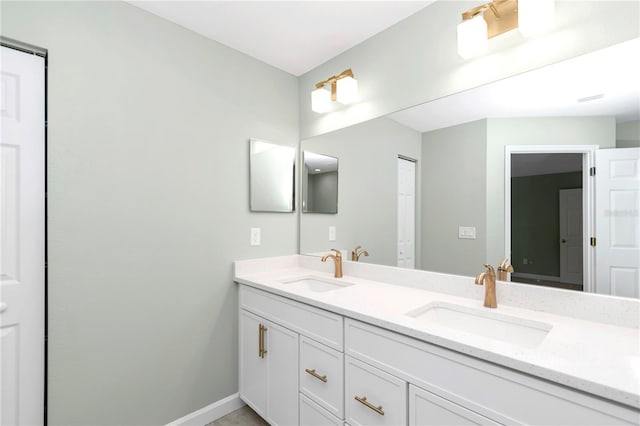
(253, 367)
(373, 397)
(281, 345)
(428, 409)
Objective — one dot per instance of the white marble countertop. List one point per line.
(599, 355)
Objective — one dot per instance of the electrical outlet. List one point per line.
(332, 233)
(525, 261)
(255, 237)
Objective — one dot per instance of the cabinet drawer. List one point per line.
(311, 414)
(321, 375)
(373, 397)
(428, 409)
(499, 393)
(320, 325)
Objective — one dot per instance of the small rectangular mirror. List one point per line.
(272, 174)
(319, 183)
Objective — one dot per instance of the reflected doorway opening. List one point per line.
(548, 215)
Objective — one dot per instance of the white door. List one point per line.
(618, 222)
(22, 235)
(571, 236)
(406, 213)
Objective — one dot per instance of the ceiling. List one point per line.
(604, 82)
(294, 36)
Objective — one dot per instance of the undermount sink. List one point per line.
(316, 284)
(483, 322)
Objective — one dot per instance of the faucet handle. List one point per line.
(505, 266)
(490, 269)
(338, 252)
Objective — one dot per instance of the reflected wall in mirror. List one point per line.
(459, 143)
(272, 174)
(319, 183)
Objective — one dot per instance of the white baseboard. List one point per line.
(211, 412)
(534, 277)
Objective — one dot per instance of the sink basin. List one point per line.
(316, 284)
(492, 325)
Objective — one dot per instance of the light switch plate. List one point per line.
(467, 232)
(332, 233)
(255, 237)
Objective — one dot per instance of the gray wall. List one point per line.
(148, 206)
(421, 62)
(628, 134)
(322, 192)
(535, 221)
(367, 189)
(453, 194)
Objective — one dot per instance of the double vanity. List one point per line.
(389, 346)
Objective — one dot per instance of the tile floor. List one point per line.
(244, 416)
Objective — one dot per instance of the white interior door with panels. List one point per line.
(22, 162)
(618, 222)
(406, 213)
(571, 235)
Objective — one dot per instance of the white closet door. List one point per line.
(406, 213)
(22, 234)
(618, 222)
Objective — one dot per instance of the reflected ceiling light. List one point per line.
(344, 89)
(499, 16)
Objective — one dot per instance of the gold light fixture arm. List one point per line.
(333, 81)
(504, 16)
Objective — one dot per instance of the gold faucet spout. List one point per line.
(337, 261)
(488, 278)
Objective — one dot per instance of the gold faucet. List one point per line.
(503, 269)
(355, 254)
(489, 279)
(337, 260)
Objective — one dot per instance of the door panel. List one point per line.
(618, 222)
(22, 238)
(571, 236)
(282, 380)
(253, 367)
(406, 213)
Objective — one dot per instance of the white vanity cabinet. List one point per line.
(291, 360)
(472, 390)
(268, 379)
(303, 365)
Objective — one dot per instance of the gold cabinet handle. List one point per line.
(316, 375)
(367, 404)
(261, 349)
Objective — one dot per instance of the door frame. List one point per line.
(588, 200)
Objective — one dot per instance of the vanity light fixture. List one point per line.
(344, 89)
(499, 16)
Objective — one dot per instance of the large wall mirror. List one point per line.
(460, 146)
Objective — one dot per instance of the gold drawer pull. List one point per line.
(261, 349)
(316, 375)
(364, 401)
